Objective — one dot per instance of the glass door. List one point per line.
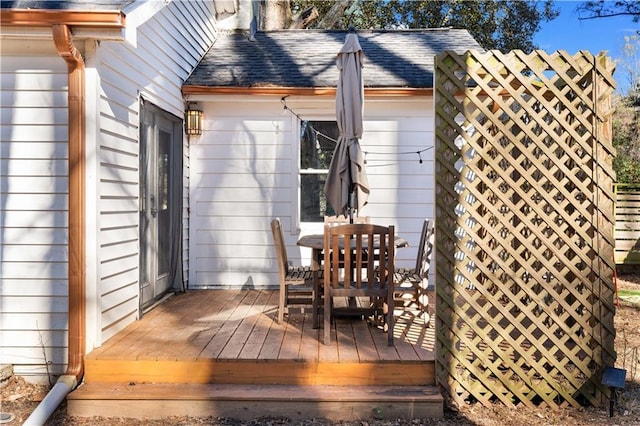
(158, 135)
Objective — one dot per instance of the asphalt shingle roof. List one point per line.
(307, 58)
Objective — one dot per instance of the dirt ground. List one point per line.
(19, 398)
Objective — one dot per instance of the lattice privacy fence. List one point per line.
(524, 239)
(627, 224)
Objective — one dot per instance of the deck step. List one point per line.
(260, 372)
(244, 402)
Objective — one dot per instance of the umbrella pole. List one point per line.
(351, 185)
(351, 203)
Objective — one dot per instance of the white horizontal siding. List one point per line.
(32, 97)
(34, 236)
(34, 116)
(33, 206)
(123, 277)
(52, 167)
(29, 219)
(34, 201)
(17, 287)
(244, 172)
(30, 148)
(50, 360)
(36, 271)
(121, 233)
(33, 184)
(55, 338)
(118, 220)
(34, 253)
(37, 304)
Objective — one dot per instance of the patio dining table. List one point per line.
(316, 243)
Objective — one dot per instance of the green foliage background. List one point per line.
(501, 25)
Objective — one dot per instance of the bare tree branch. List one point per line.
(600, 9)
(580, 18)
(305, 18)
(332, 17)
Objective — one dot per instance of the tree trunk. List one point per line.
(274, 14)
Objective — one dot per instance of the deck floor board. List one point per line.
(240, 325)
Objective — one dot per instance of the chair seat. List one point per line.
(410, 294)
(409, 274)
(299, 273)
(299, 292)
(411, 289)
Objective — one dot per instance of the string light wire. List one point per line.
(283, 100)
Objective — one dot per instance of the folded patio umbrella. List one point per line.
(347, 186)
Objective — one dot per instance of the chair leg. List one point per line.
(327, 318)
(390, 307)
(427, 313)
(315, 302)
(390, 325)
(281, 299)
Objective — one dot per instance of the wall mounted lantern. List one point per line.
(193, 121)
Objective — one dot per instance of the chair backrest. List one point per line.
(360, 244)
(281, 248)
(341, 220)
(425, 249)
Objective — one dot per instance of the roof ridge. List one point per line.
(360, 31)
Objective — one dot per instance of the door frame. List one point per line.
(153, 121)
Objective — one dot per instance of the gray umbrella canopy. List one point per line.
(347, 176)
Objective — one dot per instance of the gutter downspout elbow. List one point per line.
(51, 401)
(77, 257)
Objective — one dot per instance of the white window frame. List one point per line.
(305, 227)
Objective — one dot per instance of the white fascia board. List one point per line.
(139, 12)
(102, 34)
(24, 32)
(9, 32)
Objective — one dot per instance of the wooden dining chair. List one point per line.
(412, 283)
(354, 274)
(341, 219)
(297, 293)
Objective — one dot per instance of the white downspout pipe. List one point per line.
(50, 403)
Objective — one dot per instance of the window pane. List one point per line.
(162, 203)
(317, 142)
(313, 203)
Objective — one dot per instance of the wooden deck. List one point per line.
(220, 338)
(235, 330)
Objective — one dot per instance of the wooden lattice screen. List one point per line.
(627, 224)
(524, 238)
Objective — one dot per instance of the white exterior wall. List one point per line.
(33, 208)
(165, 41)
(244, 172)
(162, 53)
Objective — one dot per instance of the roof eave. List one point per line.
(73, 18)
(301, 91)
